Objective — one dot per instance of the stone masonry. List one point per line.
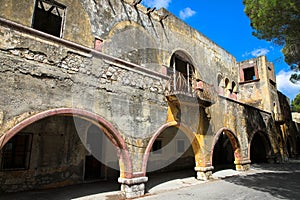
(141, 77)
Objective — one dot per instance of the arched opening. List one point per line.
(228, 88)
(171, 157)
(182, 73)
(223, 153)
(259, 148)
(234, 90)
(53, 149)
(221, 85)
(227, 83)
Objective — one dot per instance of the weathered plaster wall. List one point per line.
(17, 11)
(132, 101)
(289, 128)
(128, 32)
(260, 93)
(39, 74)
(77, 25)
(243, 121)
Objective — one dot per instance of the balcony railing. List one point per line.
(178, 84)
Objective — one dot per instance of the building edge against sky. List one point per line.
(133, 88)
(235, 36)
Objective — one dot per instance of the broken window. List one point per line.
(249, 74)
(156, 147)
(16, 152)
(49, 17)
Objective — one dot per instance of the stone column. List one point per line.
(133, 187)
(242, 165)
(204, 173)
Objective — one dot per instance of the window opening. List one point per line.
(16, 152)
(249, 74)
(49, 17)
(234, 86)
(157, 147)
(182, 74)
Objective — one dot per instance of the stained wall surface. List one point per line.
(115, 60)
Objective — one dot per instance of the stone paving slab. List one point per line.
(167, 182)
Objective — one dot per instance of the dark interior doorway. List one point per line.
(93, 169)
(258, 153)
(223, 154)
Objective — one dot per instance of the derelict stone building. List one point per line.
(108, 89)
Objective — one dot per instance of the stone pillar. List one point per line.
(204, 173)
(242, 165)
(133, 187)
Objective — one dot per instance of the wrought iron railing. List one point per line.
(179, 84)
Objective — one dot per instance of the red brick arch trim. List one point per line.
(113, 135)
(234, 142)
(185, 129)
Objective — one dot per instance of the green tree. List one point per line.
(277, 21)
(296, 104)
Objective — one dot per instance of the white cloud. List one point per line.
(186, 13)
(257, 52)
(285, 86)
(260, 52)
(157, 3)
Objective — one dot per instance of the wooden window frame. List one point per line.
(60, 9)
(26, 152)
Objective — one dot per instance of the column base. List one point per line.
(242, 165)
(134, 187)
(204, 173)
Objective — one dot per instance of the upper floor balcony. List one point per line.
(185, 88)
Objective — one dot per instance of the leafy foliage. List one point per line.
(277, 21)
(296, 104)
(295, 78)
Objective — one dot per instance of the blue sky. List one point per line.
(227, 25)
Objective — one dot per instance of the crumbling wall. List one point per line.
(76, 27)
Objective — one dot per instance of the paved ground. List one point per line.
(268, 181)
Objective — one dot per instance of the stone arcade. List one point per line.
(137, 85)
